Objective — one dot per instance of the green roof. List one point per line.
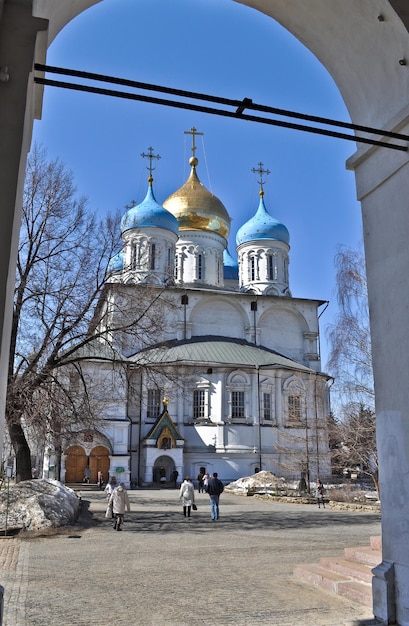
(214, 351)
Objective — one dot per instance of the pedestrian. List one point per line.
(200, 482)
(86, 474)
(175, 475)
(110, 486)
(187, 495)
(119, 501)
(205, 480)
(100, 480)
(320, 492)
(214, 489)
(162, 475)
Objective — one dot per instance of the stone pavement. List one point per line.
(167, 570)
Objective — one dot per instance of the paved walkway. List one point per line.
(165, 570)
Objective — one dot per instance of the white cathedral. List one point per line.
(224, 372)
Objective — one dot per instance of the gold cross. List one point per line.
(193, 132)
(150, 156)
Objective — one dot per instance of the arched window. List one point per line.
(200, 267)
(152, 256)
(272, 266)
(252, 268)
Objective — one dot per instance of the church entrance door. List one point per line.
(163, 469)
(75, 463)
(99, 461)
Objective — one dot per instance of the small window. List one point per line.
(153, 256)
(200, 267)
(199, 404)
(134, 256)
(237, 405)
(153, 408)
(294, 408)
(272, 267)
(266, 406)
(252, 268)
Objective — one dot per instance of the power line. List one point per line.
(238, 106)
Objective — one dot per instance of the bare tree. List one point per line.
(354, 442)
(353, 431)
(350, 360)
(58, 323)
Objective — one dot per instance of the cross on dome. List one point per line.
(150, 156)
(193, 132)
(261, 171)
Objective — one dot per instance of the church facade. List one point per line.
(223, 373)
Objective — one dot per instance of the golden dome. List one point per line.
(196, 208)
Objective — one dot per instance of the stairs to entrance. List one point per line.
(349, 576)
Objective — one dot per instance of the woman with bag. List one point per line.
(187, 495)
(119, 501)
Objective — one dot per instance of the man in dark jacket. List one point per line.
(214, 489)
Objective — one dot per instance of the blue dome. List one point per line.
(230, 266)
(262, 226)
(116, 263)
(149, 213)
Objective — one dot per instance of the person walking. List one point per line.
(205, 480)
(110, 486)
(214, 489)
(187, 495)
(100, 479)
(119, 500)
(320, 492)
(200, 483)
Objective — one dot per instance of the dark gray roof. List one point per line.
(214, 351)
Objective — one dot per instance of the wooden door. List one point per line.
(75, 464)
(99, 461)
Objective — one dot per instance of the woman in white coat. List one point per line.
(119, 501)
(187, 495)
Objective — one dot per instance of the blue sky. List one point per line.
(220, 48)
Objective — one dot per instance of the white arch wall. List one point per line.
(362, 55)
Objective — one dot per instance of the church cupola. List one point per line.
(262, 247)
(204, 226)
(149, 233)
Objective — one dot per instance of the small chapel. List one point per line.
(217, 365)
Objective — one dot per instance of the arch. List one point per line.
(163, 468)
(343, 36)
(221, 308)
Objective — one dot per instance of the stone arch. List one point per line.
(362, 54)
(223, 307)
(167, 463)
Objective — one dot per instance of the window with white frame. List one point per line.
(199, 404)
(200, 267)
(153, 403)
(272, 266)
(152, 256)
(238, 387)
(294, 408)
(134, 255)
(252, 268)
(266, 406)
(238, 409)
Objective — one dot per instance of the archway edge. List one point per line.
(360, 51)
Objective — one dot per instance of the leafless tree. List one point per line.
(63, 254)
(354, 442)
(353, 431)
(350, 360)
